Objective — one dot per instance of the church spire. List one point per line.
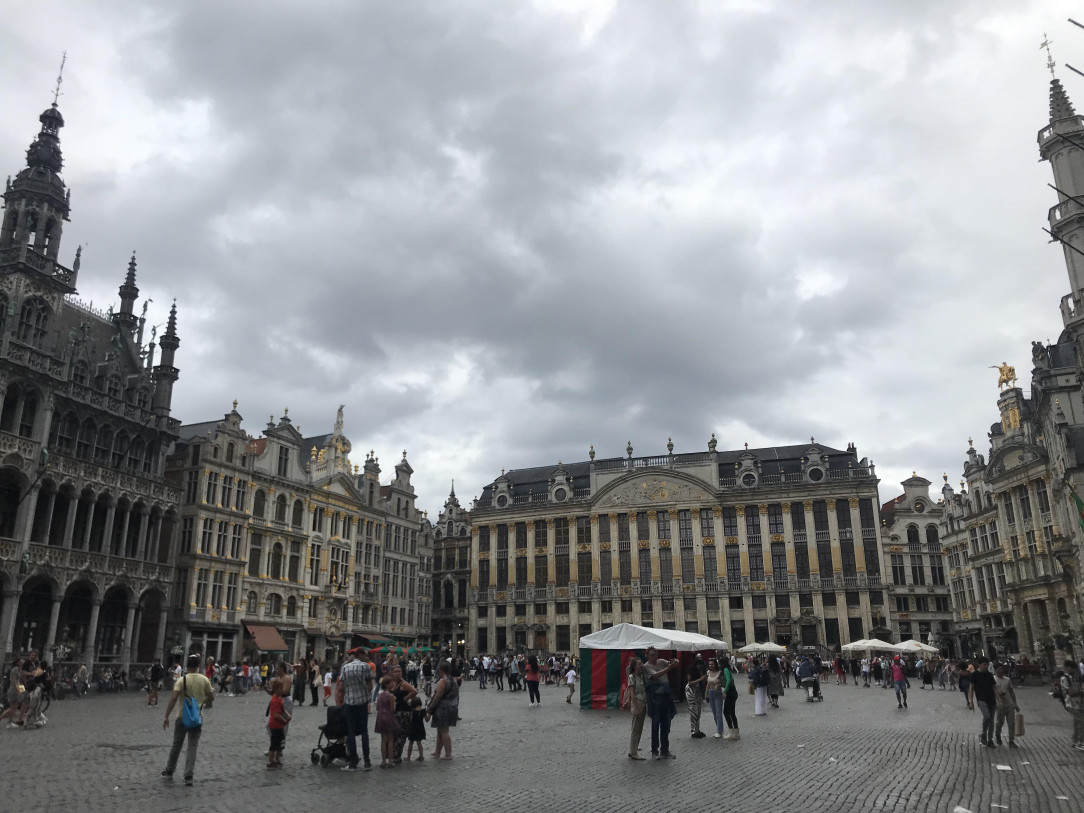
(125, 318)
(1060, 106)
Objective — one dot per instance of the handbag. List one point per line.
(752, 688)
(190, 713)
(1018, 730)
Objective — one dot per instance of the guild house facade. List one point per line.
(779, 544)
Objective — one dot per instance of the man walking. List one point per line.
(1072, 697)
(694, 695)
(982, 690)
(1006, 705)
(354, 689)
(191, 684)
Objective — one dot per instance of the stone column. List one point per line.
(833, 535)
(573, 559)
(141, 536)
(50, 504)
(788, 537)
(129, 625)
(10, 610)
(90, 648)
(54, 619)
(122, 542)
(107, 528)
(92, 506)
(69, 522)
(551, 559)
(160, 639)
(24, 522)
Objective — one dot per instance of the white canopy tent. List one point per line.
(633, 636)
(916, 646)
(756, 649)
(861, 643)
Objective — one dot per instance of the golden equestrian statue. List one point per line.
(1006, 375)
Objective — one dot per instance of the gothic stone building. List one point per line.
(773, 544)
(451, 576)
(1020, 574)
(86, 518)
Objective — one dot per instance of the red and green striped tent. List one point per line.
(605, 656)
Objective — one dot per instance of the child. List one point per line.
(327, 684)
(277, 720)
(417, 728)
(570, 679)
(386, 723)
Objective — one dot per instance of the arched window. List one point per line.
(274, 604)
(150, 459)
(276, 561)
(451, 528)
(291, 606)
(299, 514)
(372, 492)
(31, 221)
(103, 445)
(79, 373)
(112, 386)
(34, 321)
(69, 428)
(252, 601)
(51, 231)
(932, 541)
(280, 508)
(913, 541)
(11, 408)
(120, 447)
(135, 455)
(214, 452)
(84, 444)
(230, 448)
(462, 592)
(259, 504)
(449, 597)
(29, 417)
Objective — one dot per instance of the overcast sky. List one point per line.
(499, 232)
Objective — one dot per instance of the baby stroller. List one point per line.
(332, 742)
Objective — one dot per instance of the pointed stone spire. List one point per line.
(171, 324)
(1060, 106)
(452, 493)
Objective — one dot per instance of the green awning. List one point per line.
(375, 642)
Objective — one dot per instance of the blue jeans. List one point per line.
(901, 689)
(715, 700)
(357, 722)
(987, 710)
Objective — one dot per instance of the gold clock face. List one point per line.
(920, 506)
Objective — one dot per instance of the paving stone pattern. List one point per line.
(105, 752)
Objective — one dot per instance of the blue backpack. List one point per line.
(190, 712)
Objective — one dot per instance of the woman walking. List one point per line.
(534, 675)
(660, 702)
(443, 710)
(403, 693)
(775, 675)
(714, 685)
(636, 699)
(730, 702)
(760, 679)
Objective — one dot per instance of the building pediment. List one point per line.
(1015, 456)
(652, 487)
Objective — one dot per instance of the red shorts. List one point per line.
(327, 692)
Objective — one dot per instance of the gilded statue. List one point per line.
(1006, 375)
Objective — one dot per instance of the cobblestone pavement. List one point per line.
(854, 752)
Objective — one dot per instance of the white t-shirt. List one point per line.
(570, 677)
(327, 679)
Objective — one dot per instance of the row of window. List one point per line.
(624, 522)
(918, 570)
(585, 564)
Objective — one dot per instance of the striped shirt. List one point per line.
(356, 679)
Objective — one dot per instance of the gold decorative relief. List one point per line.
(664, 543)
(895, 548)
(853, 502)
(603, 545)
(732, 540)
(696, 513)
(739, 510)
(807, 505)
(643, 543)
(584, 547)
(757, 585)
(562, 592)
(484, 554)
(540, 551)
(688, 588)
(777, 537)
(763, 508)
(831, 505)
(708, 541)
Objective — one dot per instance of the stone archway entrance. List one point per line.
(76, 614)
(32, 619)
(112, 621)
(151, 629)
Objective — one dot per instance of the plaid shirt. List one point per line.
(356, 680)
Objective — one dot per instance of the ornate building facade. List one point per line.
(776, 544)
(1017, 555)
(920, 604)
(284, 544)
(452, 575)
(87, 519)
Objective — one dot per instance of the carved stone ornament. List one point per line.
(584, 547)
(777, 537)
(708, 541)
(664, 543)
(603, 545)
(853, 502)
(654, 489)
(643, 543)
(540, 551)
(732, 540)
